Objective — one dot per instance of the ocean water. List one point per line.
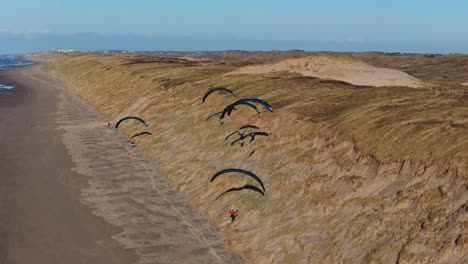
(6, 87)
(10, 61)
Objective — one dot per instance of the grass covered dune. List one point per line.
(352, 173)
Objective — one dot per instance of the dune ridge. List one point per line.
(336, 68)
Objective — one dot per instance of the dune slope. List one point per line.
(352, 174)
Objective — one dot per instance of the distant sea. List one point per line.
(10, 61)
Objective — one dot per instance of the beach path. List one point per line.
(72, 190)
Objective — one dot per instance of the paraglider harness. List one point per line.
(233, 213)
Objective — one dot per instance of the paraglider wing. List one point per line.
(228, 136)
(259, 133)
(241, 138)
(215, 114)
(260, 101)
(140, 134)
(246, 172)
(130, 117)
(245, 187)
(228, 109)
(217, 89)
(244, 103)
(253, 134)
(249, 126)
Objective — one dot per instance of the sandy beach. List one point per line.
(73, 191)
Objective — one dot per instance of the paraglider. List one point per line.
(228, 109)
(215, 90)
(245, 187)
(233, 214)
(249, 126)
(251, 135)
(237, 131)
(260, 101)
(246, 172)
(242, 136)
(241, 133)
(215, 114)
(139, 134)
(130, 117)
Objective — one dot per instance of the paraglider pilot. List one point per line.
(233, 214)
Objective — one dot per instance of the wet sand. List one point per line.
(73, 191)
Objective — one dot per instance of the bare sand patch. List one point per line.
(337, 68)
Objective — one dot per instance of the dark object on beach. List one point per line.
(234, 170)
(215, 90)
(130, 117)
(245, 187)
(139, 134)
(251, 153)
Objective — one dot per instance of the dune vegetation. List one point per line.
(352, 173)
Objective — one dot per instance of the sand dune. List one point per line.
(352, 175)
(336, 68)
(141, 210)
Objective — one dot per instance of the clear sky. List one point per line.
(437, 26)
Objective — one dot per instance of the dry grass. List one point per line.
(342, 167)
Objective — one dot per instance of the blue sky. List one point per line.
(398, 25)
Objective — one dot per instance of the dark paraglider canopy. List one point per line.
(140, 134)
(245, 187)
(246, 101)
(251, 135)
(215, 90)
(234, 170)
(239, 139)
(258, 133)
(249, 126)
(215, 114)
(241, 134)
(228, 109)
(243, 103)
(237, 131)
(130, 117)
(260, 101)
